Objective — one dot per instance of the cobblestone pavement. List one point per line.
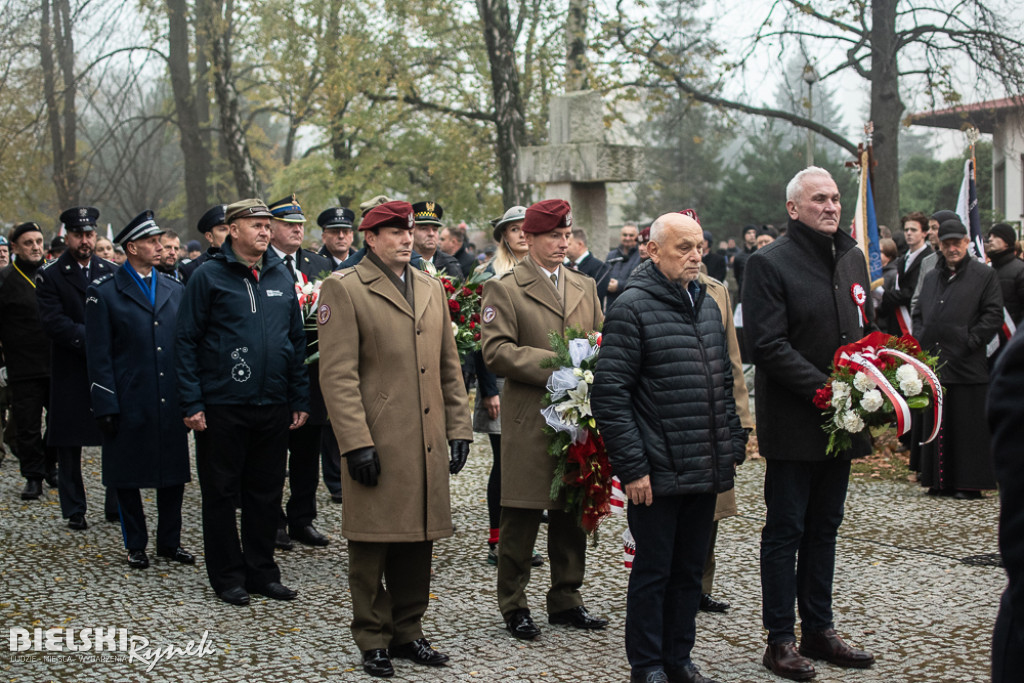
(901, 591)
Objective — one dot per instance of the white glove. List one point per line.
(3, 377)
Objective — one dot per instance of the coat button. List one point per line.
(417, 331)
(428, 449)
(426, 410)
(422, 370)
(161, 374)
(163, 401)
(159, 348)
(155, 323)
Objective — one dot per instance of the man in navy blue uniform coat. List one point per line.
(60, 288)
(129, 327)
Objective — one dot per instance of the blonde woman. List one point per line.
(511, 241)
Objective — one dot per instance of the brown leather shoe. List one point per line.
(829, 646)
(785, 661)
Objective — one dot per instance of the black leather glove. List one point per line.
(363, 465)
(460, 451)
(108, 425)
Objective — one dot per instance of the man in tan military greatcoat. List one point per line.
(391, 380)
(520, 308)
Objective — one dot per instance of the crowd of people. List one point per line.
(130, 344)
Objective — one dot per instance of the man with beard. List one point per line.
(171, 243)
(27, 352)
(60, 288)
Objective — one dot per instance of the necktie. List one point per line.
(85, 272)
(554, 280)
(288, 262)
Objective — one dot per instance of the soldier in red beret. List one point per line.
(521, 307)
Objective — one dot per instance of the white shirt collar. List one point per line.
(580, 259)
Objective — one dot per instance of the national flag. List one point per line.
(865, 223)
(967, 210)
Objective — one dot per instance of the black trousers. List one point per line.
(1007, 643)
(805, 502)
(29, 399)
(133, 519)
(303, 476)
(241, 457)
(672, 535)
(72, 489)
(494, 487)
(330, 456)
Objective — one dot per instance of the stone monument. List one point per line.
(578, 162)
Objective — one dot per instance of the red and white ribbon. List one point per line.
(859, 297)
(903, 318)
(860, 361)
(618, 500)
(628, 548)
(933, 382)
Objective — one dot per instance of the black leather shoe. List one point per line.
(688, 674)
(77, 522)
(276, 591)
(178, 554)
(657, 676)
(784, 660)
(33, 489)
(137, 559)
(420, 652)
(829, 646)
(537, 560)
(959, 495)
(235, 596)
(283, 542)
(709, 604)
(308, 535)
(521, 625)
(376, 663)
(577, 617)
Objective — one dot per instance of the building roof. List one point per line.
(983, 115)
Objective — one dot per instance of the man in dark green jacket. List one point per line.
(242, 385)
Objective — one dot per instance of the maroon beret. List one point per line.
(692, 213)
(547, 215)
(389, 215)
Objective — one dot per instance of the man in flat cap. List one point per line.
(388, 355)
(27, 353)
(520, 308)
(336, 232)
(287, 231)
(129, 328)
(60, 288)
(425, 238)
(214, 229)
(242, 386)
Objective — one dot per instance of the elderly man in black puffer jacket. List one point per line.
(663, 401)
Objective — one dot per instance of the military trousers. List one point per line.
(389, 613)
(567, 555)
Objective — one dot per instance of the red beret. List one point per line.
(389, 215)
(547, 215)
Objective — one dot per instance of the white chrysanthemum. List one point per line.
(862, 382)
(905, 373)
(911, 387)
(840, 392)
(852, 422)
(872, 400)
(588, 376)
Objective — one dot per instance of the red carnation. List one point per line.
(454, 306)
(823, 397)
